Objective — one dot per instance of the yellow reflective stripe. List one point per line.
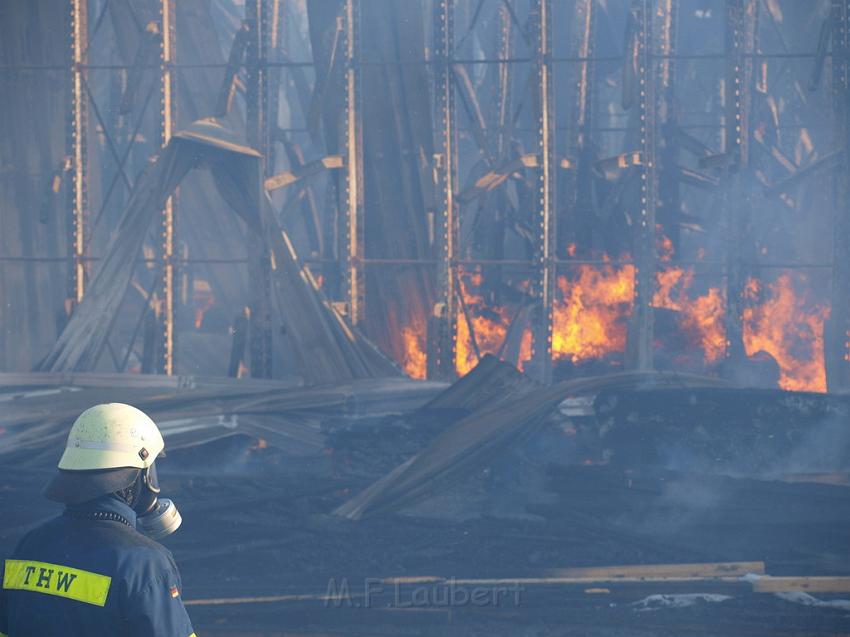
(55, 579)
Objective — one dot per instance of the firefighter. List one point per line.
(97, 569)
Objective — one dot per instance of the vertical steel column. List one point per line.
(256, 17)
(77, 154)
(504, 94)
(575, 225)
(740, 42)
(838, 341)
(668, 200)
(586, 22)
(442, 345)
(169, 277)
(354, 232)
(273, 54)
(544, 257)
(641, 332)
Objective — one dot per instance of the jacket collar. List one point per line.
(110, 503)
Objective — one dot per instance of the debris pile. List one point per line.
(491, 479)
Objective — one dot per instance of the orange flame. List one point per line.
(525, 349)
(203, 300)
(665, 248)
(595, 302)
(465, 358)
(789, 327)
(701, 317)
(490, 325)
(590, 317)
(415, 363)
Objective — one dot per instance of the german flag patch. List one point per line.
(174, 592)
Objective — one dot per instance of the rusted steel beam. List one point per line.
(639, 350)
(442, 331)
(838, 328)
(577, 219)
(545, 229)
(504, 100)
(741, 22)
(77, 154)
(258, 134)
(667, 144)
(168, 110)
(354, 231)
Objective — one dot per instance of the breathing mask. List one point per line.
(156, 517)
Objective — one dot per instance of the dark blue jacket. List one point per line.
(75, 576)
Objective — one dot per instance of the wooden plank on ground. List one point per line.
(712, 569)
(802, 584)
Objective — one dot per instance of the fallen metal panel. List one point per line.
(490, 382)
(474, 440)
(465, 445)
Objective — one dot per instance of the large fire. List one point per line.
(786, 325)
(590, 315)
(593, 306)
(701, 318)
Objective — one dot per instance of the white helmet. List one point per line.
(107, 446)
(111, 436)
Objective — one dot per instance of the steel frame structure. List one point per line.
(160, 352)
(654, 25)
(81, 223)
